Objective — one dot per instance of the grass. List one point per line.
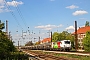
(77, 57)
(69, 56)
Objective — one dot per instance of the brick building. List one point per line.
(46, 40)
(81, 33)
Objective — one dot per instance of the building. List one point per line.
(46, 40)
(81, 33)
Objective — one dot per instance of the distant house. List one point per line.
(46, 40)
(81, 32)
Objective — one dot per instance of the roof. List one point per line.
(46, 40)
(83, 30)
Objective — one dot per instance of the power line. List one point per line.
(12, 14)
(19, 12)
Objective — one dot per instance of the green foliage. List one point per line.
(69, 56)
(16, 56)
(1, 25)
(6, 46)
(37, 43)
(86, 42)
(55, 37)
(29, 43)
(87, 23)
(64, 34)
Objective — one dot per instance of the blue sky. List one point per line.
(43, 16)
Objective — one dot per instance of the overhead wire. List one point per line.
(22, 18)
(8, 7)
(12, 13)
(19, 12)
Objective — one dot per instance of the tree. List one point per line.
(71, 38)
(37, 43)
(1, 25)
(6, 45)
(87, 23)
(29, 43)
(86, 42)
(64, 34)
(55, 37)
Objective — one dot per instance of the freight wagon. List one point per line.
(63, 45)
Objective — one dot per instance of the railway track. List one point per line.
(40, 56)
(73, 53)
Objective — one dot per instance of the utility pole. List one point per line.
(6, 27)
(39, 36)
(10, 35)
(39, 39)
(51, 36)
(22, 34)
(18, 44)
(11, 39)
(76, 40)
(51, 40)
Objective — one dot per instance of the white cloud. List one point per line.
(14, 3)
(60, 25)
(4, 10)
(72, 7)
(1, 2)
(80, 12)
(3, 7)
(48, 27)
(70, 28)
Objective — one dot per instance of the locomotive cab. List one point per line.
(65, 45)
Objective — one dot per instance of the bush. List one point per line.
(86, 42)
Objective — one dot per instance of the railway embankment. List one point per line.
(42, 55)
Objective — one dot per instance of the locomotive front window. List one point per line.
(67, 42)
